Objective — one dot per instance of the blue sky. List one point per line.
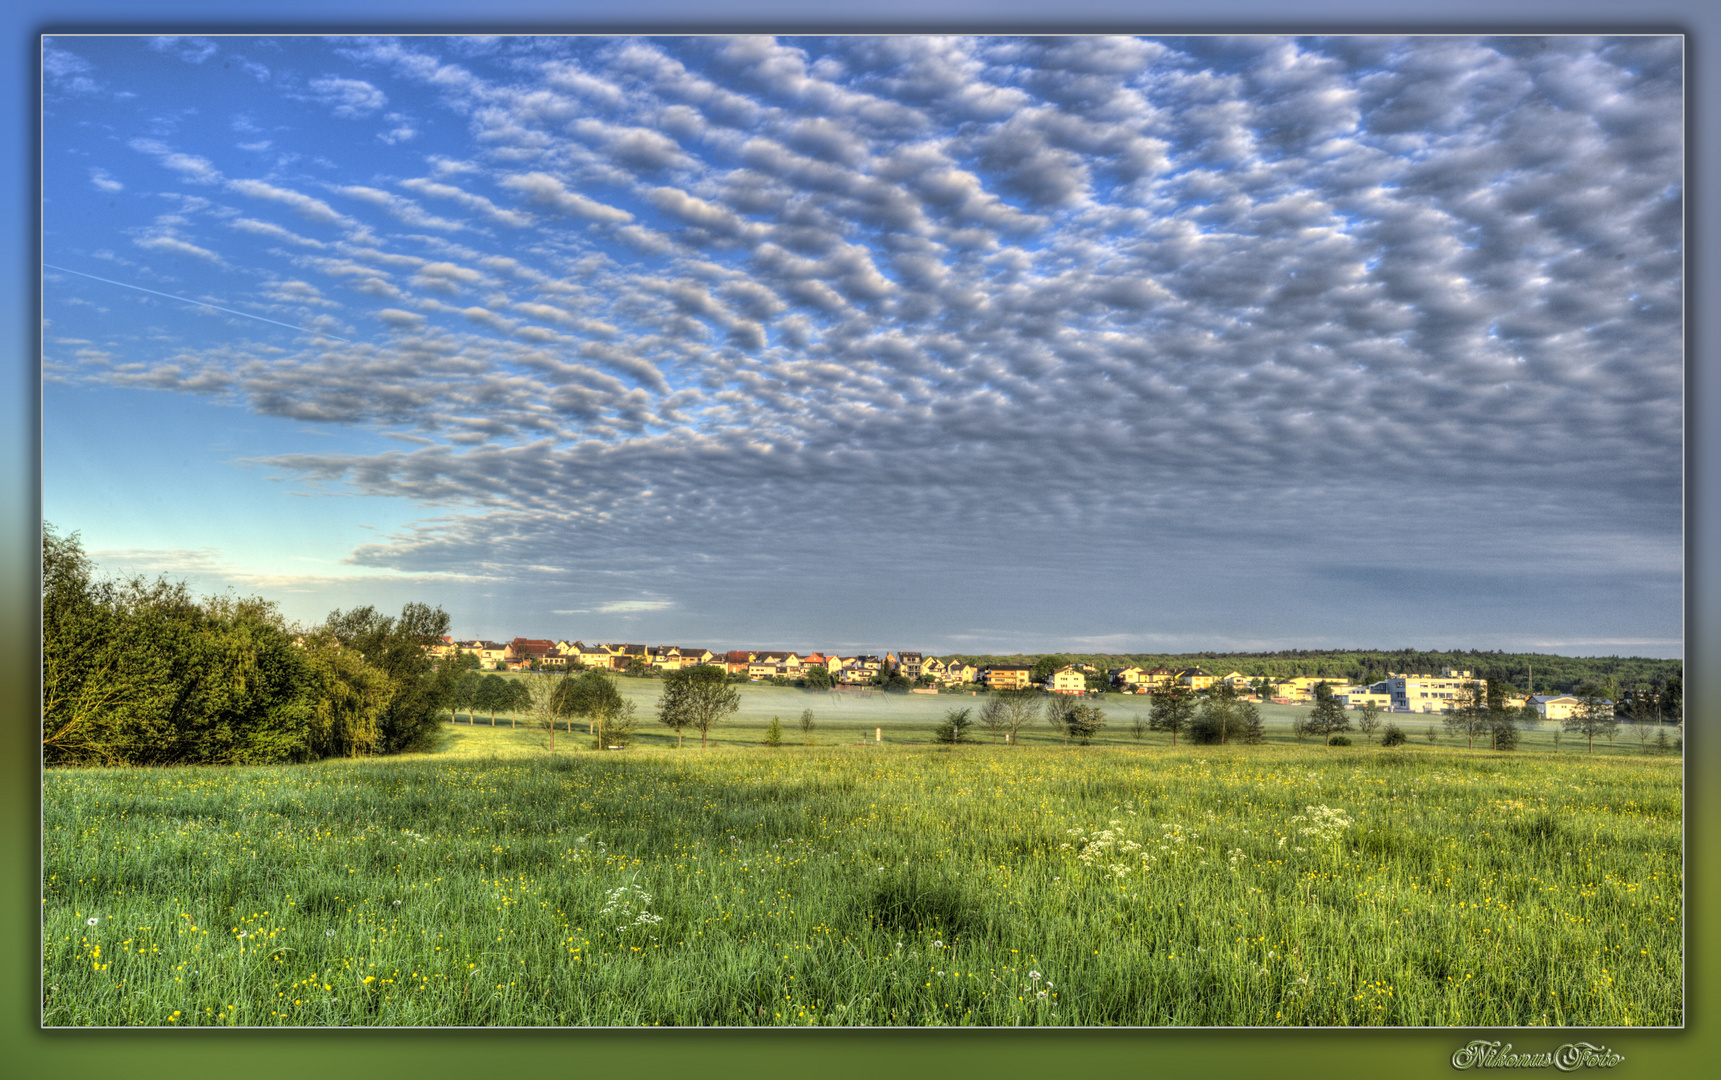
(959, 344)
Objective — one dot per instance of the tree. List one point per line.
(492, 695)
(818, 677)
(1368, 719)
(774, 733)
(992, 717)
(592, 696)
(697, 698)
(350, 697)
(1327, 719)
(1673, 699)
(399, 648)
(807, 724)
(637, 668)
(1469, 713)
(542, 701)
(1173, 708)
(1253, 730)
(464, 694)
(1593, 716)
(1058, 712)
(1044, 666)
(956, 724)
(1392, 736)
(1084, 722)
(1018, 708)
(1216, 720)
(515, 700)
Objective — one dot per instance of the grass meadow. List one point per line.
(1129, 883)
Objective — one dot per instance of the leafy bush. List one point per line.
(1339, 740)
(1393, 735)
(774, 733)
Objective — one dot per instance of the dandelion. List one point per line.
(328, 933)
(1041, 995)
(938, 944)
(1034, 976)
(91, 921)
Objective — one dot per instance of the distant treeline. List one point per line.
(1553, 674)
(140, 672)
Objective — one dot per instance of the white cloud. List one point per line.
(348, 98)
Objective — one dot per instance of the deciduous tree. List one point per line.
(697, 698)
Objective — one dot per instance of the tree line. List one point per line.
(141, 672)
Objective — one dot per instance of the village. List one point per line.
(1398, 693)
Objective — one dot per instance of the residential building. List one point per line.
(1068, 679)
(958, 673)
(1006, 676)
(1195, 678)
(1127, 679)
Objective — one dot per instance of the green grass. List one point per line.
(491, 883)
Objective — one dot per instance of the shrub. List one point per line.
(774, 733)
(1392, 736)
(1339, 740)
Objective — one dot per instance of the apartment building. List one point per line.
(1427, 693)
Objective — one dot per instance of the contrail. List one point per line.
(188, 300)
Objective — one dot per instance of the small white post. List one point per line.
(877, 734)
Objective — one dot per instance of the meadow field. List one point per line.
(906, 719)
(493, 883)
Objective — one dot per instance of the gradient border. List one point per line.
(1282, 1056)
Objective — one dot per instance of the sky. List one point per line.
(953, 344)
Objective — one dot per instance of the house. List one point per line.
(1157, 678)
(1561, 707)
(1006, 676)
(735, 661)
(958, 673)
(1069, 679)
(1195, 678)
(764, 665)
(668, 658)
(1237, 681)
(489, 653)
(906, 664)
(525, 650)
(1127, 679)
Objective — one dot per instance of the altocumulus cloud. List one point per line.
(1170, 325)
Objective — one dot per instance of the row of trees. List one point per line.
(140, 672)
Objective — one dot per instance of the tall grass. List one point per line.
(495, 884)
